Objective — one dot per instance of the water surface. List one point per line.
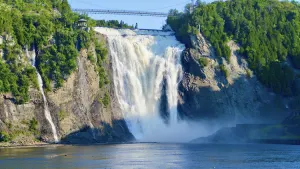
(123, 156)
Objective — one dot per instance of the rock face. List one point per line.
(228, 135)
(228, 92)
(286, 132)
(76, 109)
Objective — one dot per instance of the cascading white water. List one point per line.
(46, 108)
(144, 62)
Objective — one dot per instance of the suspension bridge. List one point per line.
(128, 12)
(121, 12)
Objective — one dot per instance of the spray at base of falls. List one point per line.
(146, 66)
(46, 108)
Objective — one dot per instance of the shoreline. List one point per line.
(10, 145)
(44, 144)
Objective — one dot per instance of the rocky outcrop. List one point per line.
(224, 90)
(15, 119)
(226, 135)
(286, 132)
(76, 109)
(81, 112)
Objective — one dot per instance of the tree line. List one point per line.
(113, 24)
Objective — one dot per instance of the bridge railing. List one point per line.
(121, 12)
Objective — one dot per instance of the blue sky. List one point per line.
(143, 5)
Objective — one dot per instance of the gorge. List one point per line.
(153, 78)
(215, 85)
(64, 83)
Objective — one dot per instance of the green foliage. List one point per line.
(8, 137)
(203, 61)
(249, 73)
(61, 115)
(49, 27)
(15, 78)
(101, 53)
(179, 22)
(33, 126)
(4, 137)
(91, 57)
(83, 39)
(278, 77)
(268, 32)
(58, 61)
(36, 25)
(224, 70)
(113, 24)
(32, 24)
(106, 100)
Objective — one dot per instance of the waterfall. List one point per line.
(46, 108)
(146, 73)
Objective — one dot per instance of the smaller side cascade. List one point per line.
(46, 108)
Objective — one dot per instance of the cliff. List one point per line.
(214, 89)
(76, 108)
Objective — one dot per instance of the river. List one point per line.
(152, 155)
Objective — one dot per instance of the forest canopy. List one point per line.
(46, 27)
(268, 32)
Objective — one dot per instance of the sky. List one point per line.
(140, 5)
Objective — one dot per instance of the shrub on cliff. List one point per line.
(4, 137)
(101, 53)
(33, 125)
(203, 61)
(106, 100)
(224, 70)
